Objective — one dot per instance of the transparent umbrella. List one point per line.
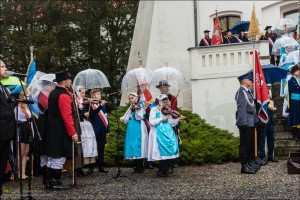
(282, 42)
(40, 91)
(90, 79)
(134, 78)
(174, 77)
(293, 57)
(285, 23)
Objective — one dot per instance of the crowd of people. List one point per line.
(74, 123)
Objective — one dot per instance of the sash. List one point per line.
(102, 116)
(238, 39)
(270, 41)
(205, 42)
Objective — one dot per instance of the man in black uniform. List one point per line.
(228, 39)
(271, 37)
(7, 125)
(206, 41)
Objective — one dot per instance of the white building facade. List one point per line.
(166, 35)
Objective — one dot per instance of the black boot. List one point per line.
(48, 178)
(80, 172)
(91, 169)
(163, 172)
(44, 171)
(149, 165)
(56, 183)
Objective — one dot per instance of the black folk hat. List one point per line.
(206, 31)
(163, 83)
(62, 75)
(268, 27)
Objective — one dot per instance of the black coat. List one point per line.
(58, 142)
(7, 117)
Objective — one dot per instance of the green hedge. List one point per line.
(201, 142)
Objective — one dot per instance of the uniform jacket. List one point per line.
(7, 117)
(96, 121)
(294, 102)
(246, 111)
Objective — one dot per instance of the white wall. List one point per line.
(163, 33)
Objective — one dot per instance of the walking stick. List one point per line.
(74, 178)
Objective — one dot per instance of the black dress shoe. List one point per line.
(246, 170)
(102, 170)
(80, 172)
(272, 159)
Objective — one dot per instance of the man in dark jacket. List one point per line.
(60, 129)
(7, 124)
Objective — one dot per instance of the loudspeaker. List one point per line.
(293, 163)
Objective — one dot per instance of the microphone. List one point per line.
(111, 94)
(25, 101)
(13, 100)
(11, 73)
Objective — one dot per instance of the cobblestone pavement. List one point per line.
(188, 182)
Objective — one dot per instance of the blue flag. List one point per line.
(31, 71)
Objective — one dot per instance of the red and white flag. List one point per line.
(261, 91)
(217, 34)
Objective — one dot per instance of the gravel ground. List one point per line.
(188, 182)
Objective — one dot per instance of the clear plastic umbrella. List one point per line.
(293, 57)
(90, 79)
(285, 23)
(40, 91)
(174, 77)
(134, 78)
(282, 42)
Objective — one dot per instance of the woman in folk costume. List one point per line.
(88, 138)
(100, 122)
(294, 101)
(163, 144)
(136, 139)
(25, 130)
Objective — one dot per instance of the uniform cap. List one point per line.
(245, 76)
(268, 27)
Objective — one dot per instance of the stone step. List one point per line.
(280, 128)
(289, 143)
(284, 152)
(282, 121)
(283, 136)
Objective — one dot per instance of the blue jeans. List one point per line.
(269, 133)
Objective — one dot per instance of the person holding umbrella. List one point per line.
(60, 130)
(7, 125)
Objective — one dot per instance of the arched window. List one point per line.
(226, 22)
(293, 14)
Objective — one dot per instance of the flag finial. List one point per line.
(140, 59)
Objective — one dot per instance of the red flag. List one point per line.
(217, 35)
(261, 91)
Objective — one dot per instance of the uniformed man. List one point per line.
(245, 121)
(271, 37)
(60, 129)
(206, 41)
(228, 39)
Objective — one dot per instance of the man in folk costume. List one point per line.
(228, 39)
(245, 121)
(7, 125)
(206, 41)
(294, 101)
(60, 129)
(99, 120)
(271, 37)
